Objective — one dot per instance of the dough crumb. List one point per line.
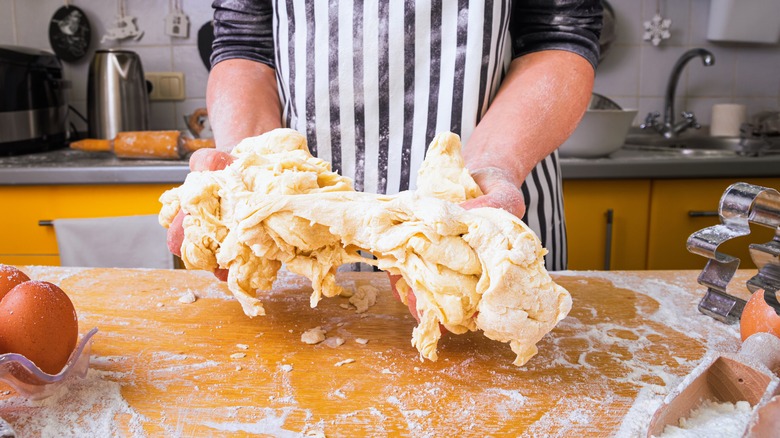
(160, 304)
(362, 341)
(344, 362)
(334, 342)
(315, 434)
(188, 297)
(313, 336)
(364, 297)
(242, 346)
(345, 306)
(238, 368)
(286, 368)
(238, 355)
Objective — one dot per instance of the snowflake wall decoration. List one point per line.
(657, 29)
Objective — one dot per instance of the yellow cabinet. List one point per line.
(25, 242)
(607, 223)
(681, 207)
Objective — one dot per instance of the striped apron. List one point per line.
(372, 82)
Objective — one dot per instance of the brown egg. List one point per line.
(38, 321)
(9, 278)
(758, 316)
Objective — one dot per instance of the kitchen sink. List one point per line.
(697, 145)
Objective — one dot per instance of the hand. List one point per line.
(499, 191)
(411, 299)
(201, 160)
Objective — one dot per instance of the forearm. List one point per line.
(538, 105)
(242, 101)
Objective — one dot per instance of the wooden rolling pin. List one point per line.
(170, 145)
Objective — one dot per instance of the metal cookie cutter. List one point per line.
(740, 205)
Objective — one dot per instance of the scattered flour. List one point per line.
(344, 362)
(238, 355)
(712, 419)
(92, 406)
(242, 346)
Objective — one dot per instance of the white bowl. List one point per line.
(599, 133)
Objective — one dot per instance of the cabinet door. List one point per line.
(595, 242)
(24, 241)
(682, 207)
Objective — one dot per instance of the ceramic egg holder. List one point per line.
(28, 380)
(742, 204)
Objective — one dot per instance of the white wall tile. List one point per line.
(700, 16)
(618, 73)
(7, 24)
(32, 19)
(757, 72)
(656, 65)
(187, 59)
(716, 80)
(628, 21)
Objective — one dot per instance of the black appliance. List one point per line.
(33, 101)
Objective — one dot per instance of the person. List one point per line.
(370, 83)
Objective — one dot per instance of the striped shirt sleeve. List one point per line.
(243, 29)
(571, 25)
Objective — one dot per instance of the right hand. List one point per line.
(201, 160)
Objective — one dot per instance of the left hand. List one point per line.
(201, 160)
(499, 191)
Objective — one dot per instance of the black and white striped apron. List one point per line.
(372, 82)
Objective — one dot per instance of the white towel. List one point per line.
(113, 242)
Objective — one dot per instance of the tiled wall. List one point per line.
(634, 72)
(26, 23)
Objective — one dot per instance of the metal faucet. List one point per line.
(669, 128)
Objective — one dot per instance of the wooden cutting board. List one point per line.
(165, 368)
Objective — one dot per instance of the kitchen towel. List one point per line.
(113, 242)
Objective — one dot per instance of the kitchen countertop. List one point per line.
(67, 166)
(163, 367)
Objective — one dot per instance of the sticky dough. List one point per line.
(478, 269)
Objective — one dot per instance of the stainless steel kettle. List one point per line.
(117, 97)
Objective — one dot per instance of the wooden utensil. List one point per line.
(747, 375)
(145, 144)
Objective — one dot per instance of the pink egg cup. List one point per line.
(28, 380)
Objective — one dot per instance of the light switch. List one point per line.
(166, 85)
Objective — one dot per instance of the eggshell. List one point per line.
(38, 321)
(9, 278)
(758, 316)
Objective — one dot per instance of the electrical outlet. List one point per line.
(166, 85)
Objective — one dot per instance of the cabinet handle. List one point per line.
(702, 213)
(45, 223)
(608, 241)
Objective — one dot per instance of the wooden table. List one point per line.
(161, 367)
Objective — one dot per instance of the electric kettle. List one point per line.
(117, 97)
